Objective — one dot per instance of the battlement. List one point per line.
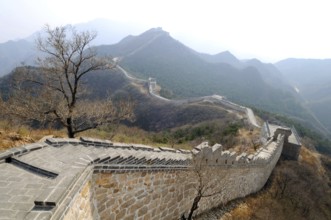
(215, 156)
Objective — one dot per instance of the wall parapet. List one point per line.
(215, 156)
(152, 157)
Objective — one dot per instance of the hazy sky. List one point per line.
(267, 29)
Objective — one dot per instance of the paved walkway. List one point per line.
(36, 178)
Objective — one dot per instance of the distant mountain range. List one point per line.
(312, 78)
(187, 73)
(183, 72)
(13, 53)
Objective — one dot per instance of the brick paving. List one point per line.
(36, 178)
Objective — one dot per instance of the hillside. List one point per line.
(156, 122)
(151, 114)
(303, 72)
(296, 190)
(312, 78)
(272, 76)
(184, 73)
(223, 57)
(13, 53)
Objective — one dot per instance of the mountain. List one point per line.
(223, 57)
(181, 71)
(185, 73)
(269, 72)
(271, 75)
(302, 72)
(151, 114)
(13, 53)
(312, 78)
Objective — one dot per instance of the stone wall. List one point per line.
(166, 189)
(83, 204)
(292, 142)
(167, 194)
(142, 195)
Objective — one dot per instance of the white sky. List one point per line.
(270, 30)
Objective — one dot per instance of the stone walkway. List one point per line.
(36, 178)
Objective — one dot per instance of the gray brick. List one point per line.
(33, 186)
(22, 206)
(7, 214)
(4, 197)
(4, 183)
(14, 179)
(20, 198)
(6, 205)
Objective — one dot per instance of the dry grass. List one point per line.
(312, 159)
(241, 212)
(244, 141)
(14, 136)
(306, 194)
(126, 134)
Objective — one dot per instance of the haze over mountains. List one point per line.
(183, 72)
(14, 52)
(312, 78)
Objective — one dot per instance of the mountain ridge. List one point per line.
(183, 72)
(312, 77)
(168, 58)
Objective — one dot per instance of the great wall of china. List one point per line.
(98, 179)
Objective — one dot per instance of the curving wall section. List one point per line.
(96, 179)
(160, 191)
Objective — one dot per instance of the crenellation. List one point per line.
(217, 147)
(18, 151)
(201, 146)
(58, 142)
(185, 151)
(250, 157)
(167, 149)
(241, 159)
(143, 147)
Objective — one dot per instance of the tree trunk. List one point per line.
(70, 132)
(194, 206)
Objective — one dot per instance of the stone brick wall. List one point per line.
(83, 204)
(166, 192)
(142, 195)
(169, 194)
(291, 151)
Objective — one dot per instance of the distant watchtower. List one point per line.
(152, 83)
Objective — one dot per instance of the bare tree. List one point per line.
(55, 92)
(207, 184)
